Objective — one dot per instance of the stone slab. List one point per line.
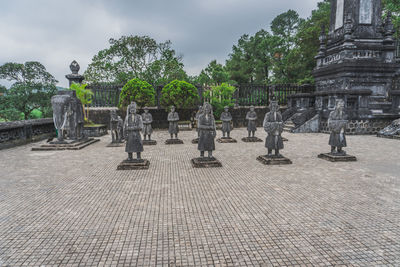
(273, 160)
(225, 140)
(173, 142)
(285, 139)
(116, 145)
(337, 158)
(195, 141)
(149, 142)
(78, 145)
(396, 137)
(134, 165)
(206, 163)
(251, 139)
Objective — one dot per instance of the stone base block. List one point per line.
(195, 141)
(397, 137)
(134, 165)
(251, 139)
(225, 140)
(206, 163)
(116, 144)
(337, 157)
(274, 160)
(149, 142)
(69, 145)
(174, 142)
(284, 139)
(95, 131)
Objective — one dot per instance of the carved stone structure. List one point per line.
(117, 129)
(392, 131)
(226, 128)
(133, 125)
(173, 119)
(251, 117)
(273, 125)
(74, 77)
(147, 129)
(207, 133)
(196, 118)
(337, 123)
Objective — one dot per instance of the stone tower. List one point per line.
(358, 54)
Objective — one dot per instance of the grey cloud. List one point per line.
(55, 32)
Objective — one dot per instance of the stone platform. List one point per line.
(206, 162)
(74, 145)
(274, 160)
(173, 142)
(225, 140)
(149, 142)
(134, 165)
(251, 139)
(337, 158)
(195, 141)
(116, 144)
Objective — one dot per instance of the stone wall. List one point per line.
(361, 127)
(22, 132)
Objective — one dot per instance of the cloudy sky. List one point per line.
(55, 32)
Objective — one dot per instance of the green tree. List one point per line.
(32, 89)
(219, 97)
(180, 94)
(135, 57)
(214, 73)
(393, 6)
(139, 91)
(84, 95)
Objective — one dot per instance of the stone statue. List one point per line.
(132, 127)
(116, 127)
(173, 119)
(273, 125)
(337, 124)
(226, 119)
(207, 131)
(60, 105)
(391, 131)
(199, 112)
(147, 120)
(76, 119)
(251, 126)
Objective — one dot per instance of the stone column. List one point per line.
(74, 77)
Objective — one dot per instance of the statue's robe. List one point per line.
(337, 124)
(273, 125)
(132, 127)
(226, 119)
(251, 116)
(207, 132)
(147, 120)
(173, 119)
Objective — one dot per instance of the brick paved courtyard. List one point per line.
(74, 208)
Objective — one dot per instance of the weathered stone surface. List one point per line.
(392, 131)
(336, 157)
(149, 142)
(173, 142)
(206, 162)
(195, 141)
(143, 164)
(274, 160)
(69, 145)
(251, 139)
(116, 144)
(95, 131)
(225, 140)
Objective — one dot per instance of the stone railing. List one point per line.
(22, 132)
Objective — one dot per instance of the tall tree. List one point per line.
(214, 73)
(135, 57)
(32, 89)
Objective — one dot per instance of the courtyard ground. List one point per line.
(70, 208)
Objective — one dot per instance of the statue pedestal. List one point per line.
(274, 160)
(174, 142)
(251, 139)
(66, 145)
(225, 140)
(195, 141)
(337, 157)
(284, 139)
(135, 164)
(116, 144)
(149, 142)
(206, 163)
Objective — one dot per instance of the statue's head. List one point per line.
(274, 106)
(226, 108)
(339, 104)
(251, 108)
(132, 108)
(146, 110)
(172, 108)
(200, 108)
(207, 108)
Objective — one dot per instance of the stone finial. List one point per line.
(348, 27)
(74, 67)
(389, 29)
(322, 42)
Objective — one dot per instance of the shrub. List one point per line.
(180, 94)
(219, 97)
(138, 91)
(85, 96)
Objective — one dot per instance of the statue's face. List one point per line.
(132, 110)
(146, 111)
(274, 107)
(251, 108)
(340, 105)
(226, 109)
(172, 109)
(200, 108)
(207, 109)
